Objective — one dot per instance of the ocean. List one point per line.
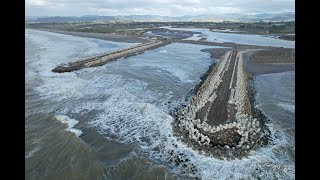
(114, 122)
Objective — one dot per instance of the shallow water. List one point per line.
(276, 98)
(113, 121)
(237, 38)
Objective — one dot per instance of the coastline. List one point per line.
(102, 36)
(263, 61)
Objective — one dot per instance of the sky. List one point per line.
(154, 7)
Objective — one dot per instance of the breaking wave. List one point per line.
(70, 123)
(287, 107)
(136, 111)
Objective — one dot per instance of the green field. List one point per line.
(129, 27)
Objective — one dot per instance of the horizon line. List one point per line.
(158, 15)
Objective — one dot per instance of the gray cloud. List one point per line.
(154, 7)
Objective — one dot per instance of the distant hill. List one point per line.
(289, 16)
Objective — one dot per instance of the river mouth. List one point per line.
(115, 120)
(211, 36)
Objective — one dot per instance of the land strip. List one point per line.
(226, 44)
(151, 44)
(263, 61)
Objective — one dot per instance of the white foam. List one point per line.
(129, 112)
(127, 116)
(59, 48)
(70, 122)
(194, 37)
(31, 153)
(287, 107)
(163, 51)
(130, 120)
(264, 160)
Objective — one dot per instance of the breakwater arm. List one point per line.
(218, 119)
(108, 57)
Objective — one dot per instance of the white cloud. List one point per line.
(37, 2)
(154, 7)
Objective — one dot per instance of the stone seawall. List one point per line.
(224, 90)
(108, 57)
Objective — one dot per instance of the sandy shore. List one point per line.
(288, 37)
(223, 44)
(269, 61)
(259, 68)
(105, 36)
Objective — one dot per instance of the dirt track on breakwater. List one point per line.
(216, 112)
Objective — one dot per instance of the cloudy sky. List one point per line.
(154, 7)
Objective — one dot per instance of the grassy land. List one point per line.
(259, 27)
(91, 27)
(279, 28)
